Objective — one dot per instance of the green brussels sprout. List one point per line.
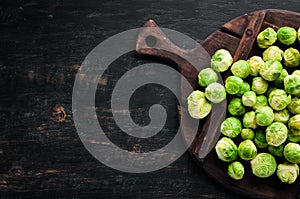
(261, 101)
(215, 92)
(259, 85)
(236, 170)
(255, 63)
(234, 85)
(291, 152)
(226, 150)
(287, 35)
(249, 120)
(273, 53)
(291, 57)
(235, 107)
(293, 138)
(292, 85)
(296, 72)
(278, 99)
(247, 134)
(260, 139)
(279, 81)
(249, 98)
(198, 106)
(276, 151)
(264, 116)
(207, 76)
(276, 134)
(263, 165)
(221, 60)
(287, 172)
(266, 38)
(247, 150)
(231, 127)
(241, 69)
(282, 116)
(245, 88)
(294, 124)
(294, 106)
(271, 70)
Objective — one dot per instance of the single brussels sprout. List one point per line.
(260, 139)
(273, 53)
(236, 170)
(263, 165)
(287, 172)
(245, 88)
(293, 138)
(261, 101)
(221, 60)
(207, 76)
(271, 70)
(276, 151)
(215, 92)
(278, 99)
(241, 69)
(234, 85)
(226, 150)
(276, 134)
(291, 152)
(292, 85)
(266, 38)
(231, 127)
(235, 107)
(247, 150)
(255, 63)
(279, 81)
(296, 72)
(247, 134)
(287, 35)
(249, 120)
(294, 124)
(249, 98)
(198, 106)
(291, 57)
(282, 116)
(259, 85)
(264, 116)
(294, 106)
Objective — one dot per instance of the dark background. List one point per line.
(42, 44)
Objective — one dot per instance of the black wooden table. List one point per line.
(42, 44)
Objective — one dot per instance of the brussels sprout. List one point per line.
(236, 170)
(287, 35)
(231, 127)
(221, 60)
(271, 70)
(294, 106)
(276, 151)
(293, 138)
(249, 120)
(215, 92)
(207, 76)
(294, 124)
(249, 98)
(240, 69)
(263, 165)
(235, 107)
(247, 150)
(261, 101)
(264, 116)
(292, 84)
(247, 134)
(234, 85)
(198, 106)
(266, 38)
(282, 116)
(245, 88)
(259, 85)
(273, 53)
(287, 172)
(255, 63)
(276, 134)
(226, 149)
(291, 57)
(291, 152)
(279, 81)
(260, 139)
(296, 72)
(278, 99)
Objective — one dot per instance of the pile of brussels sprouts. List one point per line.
(262, 128)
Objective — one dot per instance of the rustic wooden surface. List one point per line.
(42, 44)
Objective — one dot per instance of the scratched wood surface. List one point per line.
(42, 44)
